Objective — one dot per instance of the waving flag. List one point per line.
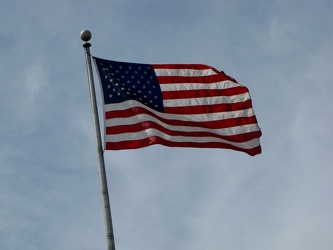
(176, 105)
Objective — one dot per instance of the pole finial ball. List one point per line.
(85, 35)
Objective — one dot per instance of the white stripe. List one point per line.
(197, 86)
(184, 72)
(206, 100)
(181, 117)
(145, 118)
(153, 132)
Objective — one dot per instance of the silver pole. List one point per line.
(85, 36)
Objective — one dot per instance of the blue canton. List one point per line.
(129, 81)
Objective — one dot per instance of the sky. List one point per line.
(166, 198)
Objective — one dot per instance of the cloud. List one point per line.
(166, 197)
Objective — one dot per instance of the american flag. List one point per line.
(176, 105)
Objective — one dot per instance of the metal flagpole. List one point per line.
(85, 36)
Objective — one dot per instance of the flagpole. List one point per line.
(85, 36)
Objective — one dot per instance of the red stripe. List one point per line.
(214, 124)
(184, 94)
(157, 140)
(186, 110)
(184, 66)
(195, 79)
(227, 107)
(141, 126)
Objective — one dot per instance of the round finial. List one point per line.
(85, 35)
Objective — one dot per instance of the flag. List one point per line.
(176, 105)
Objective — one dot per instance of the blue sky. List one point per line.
(166, 198)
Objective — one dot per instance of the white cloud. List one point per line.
(35, 79)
